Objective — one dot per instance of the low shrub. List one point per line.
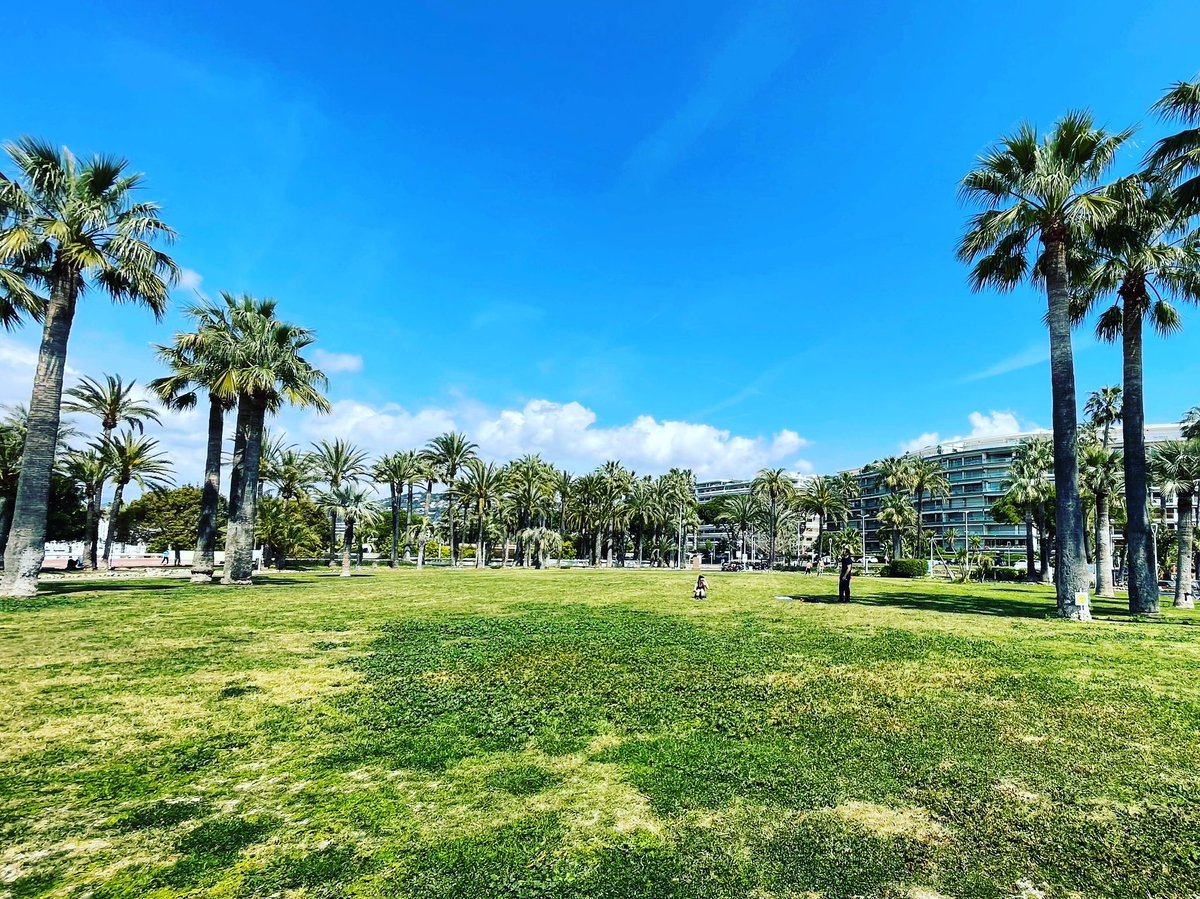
(1008, 574)
(905, 568)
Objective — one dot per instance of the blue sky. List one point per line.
(714, 234)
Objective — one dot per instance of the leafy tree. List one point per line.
(67, 518)
(898, 517)
(1030, 490)
(1042, 200)
(66, 225)
(291, 527)
(163, 519)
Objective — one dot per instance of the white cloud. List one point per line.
(189, 280)
(17, 364)
(336, 363)
(565, 434)
(992, 424)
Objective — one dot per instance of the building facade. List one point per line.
(978, 473)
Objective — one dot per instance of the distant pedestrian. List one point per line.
(808, 566)
(701, 591)
(166, 558)
(844, 577)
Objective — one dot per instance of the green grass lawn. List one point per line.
(580, 733)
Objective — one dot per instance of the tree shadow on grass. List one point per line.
(965, 603)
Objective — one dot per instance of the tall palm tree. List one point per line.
(355, 505)
(1175, 465)
(1029, 490)
(1177, 156)
(898, 517)
(12, 443)
(450, 452)
(1100, 475)
(1042, 198)
(821, 497)
(89, 468)
(925, 477)
(1145, 258)
(66, 225)
(774, 487)
(398, 471)
(195, 365)
(292, 474)
(740, 512)
(131, 459)
(1103, 409)
(337, 462)
(562, 488)
(261, 356)
(429, 475)
(113, 402)
(480, 487)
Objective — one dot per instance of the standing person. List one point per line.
(844, 577)
(166, 558)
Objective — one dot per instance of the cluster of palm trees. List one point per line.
(1128, 246)
(780, 505)
(121, 458)
(608, 515)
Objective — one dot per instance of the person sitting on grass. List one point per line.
(701, 591)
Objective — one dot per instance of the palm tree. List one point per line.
(89, 469)
(897, 515)
(1177, 156)
(1175, 465)
(1100, 474)
(450, 452)
(893, 472)
(397, 470)
(428, 474)
(562, 488)
(260, 356)
(480, 486)
(820, 497)
(1030, 489)
(12, 443)
(1145, 258)
(1041, 199)
(336, 463)
(195, 365)
(292, 474)
(925, 476)
(355, 506)
(773, 487)
(113, 402)
(131, 459)
(1103, 409)
(66, 225)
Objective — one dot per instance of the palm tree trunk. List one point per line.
(26, 549)
(1043, 549)
(408, 521)
(479, 548)
(1030, 564)
(920, 498)
(347, 546)
(239, 536)
(333, 517)
(450, 516)
(394, 562)
(1139, 555)
(113, 511)
(896, 544)
(1071, 576)
(1104, 566)
(210, 497)
(774, 528)
(91, 531)
(424, 524)
(1183, 534)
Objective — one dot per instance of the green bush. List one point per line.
(1008, 574)
(905, 568)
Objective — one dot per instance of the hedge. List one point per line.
(905, 568)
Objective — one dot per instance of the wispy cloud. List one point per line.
(764, 41)
(1027, 358)
(336, 363)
